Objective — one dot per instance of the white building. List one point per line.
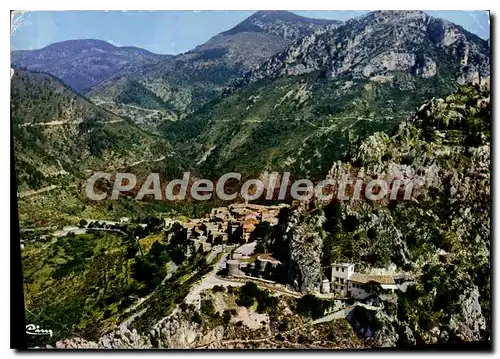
(346, 282)
(341, 272)
(359, 284)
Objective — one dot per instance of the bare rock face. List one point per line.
(122, 338)
(468, 324)
(75, 343)
(389, 61)
(179, 332)
(381, 43)
(305, 246)
(428, 68)
(407, 337)
(370, 324)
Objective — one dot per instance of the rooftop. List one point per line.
(366, 278)
(342, 264)
(246, 249)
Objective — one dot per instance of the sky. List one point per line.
(169, 32)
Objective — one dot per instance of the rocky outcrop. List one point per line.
(444, 151)
(407, 336)
(305, 248)
(373, 325)
(381, 43)
(178, 332)
(469, 322)
(122, 338)
(262, 35)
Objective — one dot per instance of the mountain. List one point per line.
(382, 42)
(301, 109)
(82, 64)
(442, 235)
(260, 36)
(190, 79)
(59, 136)
(214, 64)
(182, 81)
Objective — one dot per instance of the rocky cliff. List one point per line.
(441, 234)
(381, 43)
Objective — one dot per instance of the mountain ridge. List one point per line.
(88, 43)
(200, 73)
(364, 75)
(82, 63)
(341, 56)
(380, 97)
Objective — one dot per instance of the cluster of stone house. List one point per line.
(245, 217)
(347, 283)
(344, 280)
(213, 233)
(224, 221)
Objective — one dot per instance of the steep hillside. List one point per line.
(60, 137)
(190, 79)
(381, 42)
(441, 235)
(83, 64)
(340, 86)
(131, 99)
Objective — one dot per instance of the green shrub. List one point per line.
(218, 288)
(196, 318)
(226, 317)
(207, 307)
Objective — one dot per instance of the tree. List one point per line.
(248, 293)
(226, 317)
(148, 272)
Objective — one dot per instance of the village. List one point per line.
(231, 230)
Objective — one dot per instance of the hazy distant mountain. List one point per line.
(82, 64)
